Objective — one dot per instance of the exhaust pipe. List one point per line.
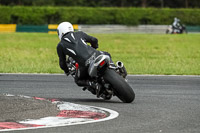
(119, 64)
(121, 68)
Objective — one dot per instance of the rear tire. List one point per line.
(121, 88)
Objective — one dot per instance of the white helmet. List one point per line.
(64, 28)
(176, 19)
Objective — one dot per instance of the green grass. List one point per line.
(141, 53)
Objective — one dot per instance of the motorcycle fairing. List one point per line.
(97, 63)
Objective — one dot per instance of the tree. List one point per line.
(186, 3)
(144, 3)
(107, 3)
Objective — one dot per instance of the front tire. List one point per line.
(121, 88)
(167, 31)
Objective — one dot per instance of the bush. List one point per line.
(5, 14)
(34, 15)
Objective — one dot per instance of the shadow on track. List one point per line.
(88, 100)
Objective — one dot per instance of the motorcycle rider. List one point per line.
(74, 44)
(176, 25)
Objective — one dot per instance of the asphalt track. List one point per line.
(168, 104)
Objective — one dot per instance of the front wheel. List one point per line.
(167, 31)
(121, 88)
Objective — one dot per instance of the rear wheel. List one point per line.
(121, 88)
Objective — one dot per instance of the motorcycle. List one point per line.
(112, 78)
(180, 30)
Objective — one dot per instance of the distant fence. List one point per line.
(123, 29)
(152, 29)
(51, 29)
(193, 28)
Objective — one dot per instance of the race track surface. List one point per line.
(168, 104)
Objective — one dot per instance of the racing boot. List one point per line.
(97, 87)
(92, 90)
(99, 90)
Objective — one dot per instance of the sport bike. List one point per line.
(180, 30)
(112, 78)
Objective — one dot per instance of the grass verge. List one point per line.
(141, 53)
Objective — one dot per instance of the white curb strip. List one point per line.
(70, 114)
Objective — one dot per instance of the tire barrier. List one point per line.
(8, 27)
(51, 28)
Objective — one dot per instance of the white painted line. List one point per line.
(148, 75)
(31, 74)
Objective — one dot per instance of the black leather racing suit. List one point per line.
(74, 44)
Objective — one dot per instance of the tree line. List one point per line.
(106, 3)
